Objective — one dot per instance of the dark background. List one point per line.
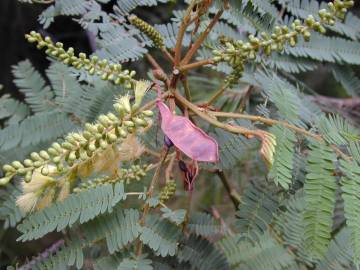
(17, 19)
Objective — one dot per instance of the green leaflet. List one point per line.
(202, 224)
(266, 254)
(319, 188)
(161, 236)
(281, 170)
(119, 228)
(202, 254)
(351, 194)
(80, 207)
(256, 210)
(9, 212)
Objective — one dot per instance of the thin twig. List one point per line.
(206, 117)
(149, 194)
(201, 63)
(180, 36)
(271, 122)
(152, 61)
(201, 39)
(168, 54)
(187, 91)
(229, 187)
(217, 94)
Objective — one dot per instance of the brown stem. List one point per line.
(196, 65)
(168, 54)
(149, 194)
(267, 121)
(206, 117)
(180, 36)
(229, 187)
(153, 62)
(271, 122)
(201, 39)
(217, 94)
(245, 98)
(185, 84)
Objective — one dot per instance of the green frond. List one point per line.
(84, 101)
(354, 149)
(256, 210)
(161, 236)
(319, 188)
(328, 49)
(202, 254)
(119, 228)
(29, 81)
(351, 194)
(232, 147)
(289, 225)
(81, 207)
(347, 78)
(336, 130)
(340, 254)
(35, 129)
(124, 261)
(169, 32)
(302, 8)
(285, 96)
(10, 214)
(176, 216)
(117, 45)
(126, 6)
(281, 170)
(12, 110)
(203, 224)
(265, 254)
(65, 7)
(264, 6)
(69, 255)
(291, 64)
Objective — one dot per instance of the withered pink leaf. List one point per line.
(187, 137)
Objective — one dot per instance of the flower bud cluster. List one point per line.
(134, 173)
(108, 71)
(79, 147)
(168, 191)
(237, 53)
(148, 30)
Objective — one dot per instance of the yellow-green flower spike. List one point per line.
(107, 71)
(148, 30)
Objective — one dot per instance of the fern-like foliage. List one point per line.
(265, 254)
(161, 236)
(320, 186)
(9, 212)
(80, 207)
(37, 94)
(350, 187)
(345, 75)
(202, 224)
(202, 254)
(256, 210)
(281, 171)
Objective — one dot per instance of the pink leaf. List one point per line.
(187, 137)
